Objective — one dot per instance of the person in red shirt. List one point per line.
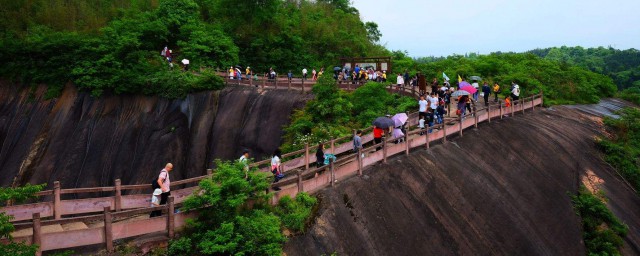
(377, 136)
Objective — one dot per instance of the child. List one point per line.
(155, 201)
(440, 112)
(507, 102)
(421, 126)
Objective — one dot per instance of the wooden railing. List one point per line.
(305, 178)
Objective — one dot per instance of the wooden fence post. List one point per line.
(300, 188)
(522, 103)
(384, 149)
(475, 118)
(276, 82)
(489, 113)
(427, 143)
(333, 175)
(333, 147)
(302, 86)
(108, 234)
(37, 233)
(359, 157)
(444, 132)
(57, 211)
(289, 86)
(533, 105)
(209, 172)
(500, 106)
(170, 217)
(306, 156)
(461, 125)
(406, 141)
(118, 198)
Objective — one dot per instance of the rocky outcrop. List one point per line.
(503, 189)
(84, 141)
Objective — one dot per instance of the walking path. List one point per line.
(124, 216)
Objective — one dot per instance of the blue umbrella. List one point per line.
(383, 122)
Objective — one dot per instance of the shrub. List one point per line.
(295, 213)
(602, 231)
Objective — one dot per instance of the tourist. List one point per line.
(507, 103)
(244, 160)
(496, 91)
(231, 73)
(434, 85)
(515, 93)
(155, 201)
(304, 73)
(248, 72)
(406, 77)
(486, 90)
(165, 184)
(290, 75)
(377, 136)
(421, 126)
(477, 87)
(462, 104)
(422, 109)
(433, 101)
(168, 55)
(276, 167)
(400, 81)
(314, 75)
(320, 155)
(357, 141)
(440, 112)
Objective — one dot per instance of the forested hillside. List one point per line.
(114, 46)
(623, 66)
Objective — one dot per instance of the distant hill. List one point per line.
(623, 66)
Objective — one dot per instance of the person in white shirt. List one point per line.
(304, 73)
(422, 111)
(433, 101)
(244, 159)
(276, 168)
(400, 81)
(477, 86)
(155, 201)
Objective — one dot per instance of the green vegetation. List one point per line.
(562, 83)
(238, 219)
(623, 66)
(602, 231)
(335, 113)
(16, 195)
(113, 46)
(622, 149)
(631, 94)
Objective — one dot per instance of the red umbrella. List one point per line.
(469, 89)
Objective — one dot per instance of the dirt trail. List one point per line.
(502, 189)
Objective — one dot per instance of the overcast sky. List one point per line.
(444, 27)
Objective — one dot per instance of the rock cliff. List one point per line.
(503, 189)
(84, 141)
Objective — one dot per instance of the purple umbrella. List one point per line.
(469, 89)
(397, 133)
(399, 119)
(463, 84)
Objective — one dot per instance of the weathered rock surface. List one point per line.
(87, 142)
(503, 189)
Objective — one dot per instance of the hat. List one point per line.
(157, 192)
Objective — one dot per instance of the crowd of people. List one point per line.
(432, 108)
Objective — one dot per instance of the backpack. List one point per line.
(154, 183)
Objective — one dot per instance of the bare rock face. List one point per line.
(503, 189)
(83, 141)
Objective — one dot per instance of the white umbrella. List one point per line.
(185, 61)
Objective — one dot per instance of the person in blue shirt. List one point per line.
(486, 90)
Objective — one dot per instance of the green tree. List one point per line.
(16, 195)
(373, 33)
